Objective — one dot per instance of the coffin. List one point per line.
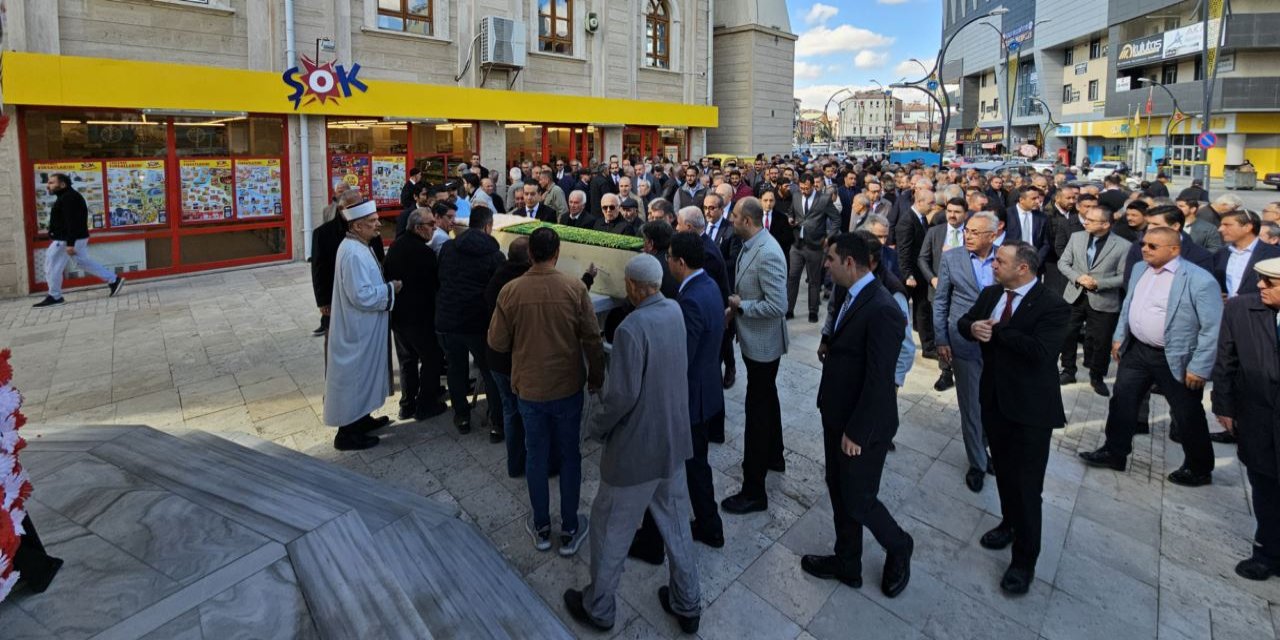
(579, 248)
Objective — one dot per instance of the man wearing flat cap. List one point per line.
(1246, 384)
(358, 364)
(643, 421)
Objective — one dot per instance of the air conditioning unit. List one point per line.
(503, 42)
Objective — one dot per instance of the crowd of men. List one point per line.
(1004, 279)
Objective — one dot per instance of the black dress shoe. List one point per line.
(790, 315)
(428, 412)
(813, 317)
(1224, 437)
(897, 570)
(973, 479)
(1017, 581)
(1100, 387)
(496, 436)
(319, 331)
(353, 439)
(1189, 478)
(48, 301)
(740, 503)
(711, 539)
(647, 550)
(573, 603)
(1144, 428)
(370, 424)
(407, 411)
(1255, 569)
(730, 377)
(929, 354)
(1065, 378)
(1104, 458)
(997, 538)
(39, 582)
(779, 466)
(688, 624)
(830, 568)
(945, 381)
(462, 423)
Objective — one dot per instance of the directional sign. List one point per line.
(1015, 45)
(1207, 140)
(932, 85)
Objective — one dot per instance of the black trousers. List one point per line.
(1096, 328)
(702, 497)
(1266, 508)
(726, 350)
(34, 564)
(419, 355)
(922, 315)
(854, 485)
(1020, 454)
(762, 442)
(1140, 366)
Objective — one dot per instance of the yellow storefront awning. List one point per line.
(73, 81)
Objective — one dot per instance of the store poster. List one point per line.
(206, 190)
(86, 177)
(388, 179)
(258, 189)
(135, 193)
(353, 170)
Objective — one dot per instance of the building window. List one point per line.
(409, 16)
(1069, 56)
(555, 26)
(1198, 73)
(657, 35)
(1095, 48)
(983, 81)
(1169, 74)
(1066, 93)
(1093, 90)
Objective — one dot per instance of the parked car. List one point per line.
(1041, 165)
(1272, 179)
(1101, 170)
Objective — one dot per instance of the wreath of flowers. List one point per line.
(15, 487)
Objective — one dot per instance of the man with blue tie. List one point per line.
(1026, 222)
(962, 275)
(1233, 264)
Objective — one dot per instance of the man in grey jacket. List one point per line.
(644, 422)
(1093, 265)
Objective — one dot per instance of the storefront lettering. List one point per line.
(322, 82)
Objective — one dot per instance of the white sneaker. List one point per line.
(541, 537)
(570, 541)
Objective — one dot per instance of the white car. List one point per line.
(1041, 165)
(1101, 170)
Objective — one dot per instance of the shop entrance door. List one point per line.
(1184, 155)
(641, 142)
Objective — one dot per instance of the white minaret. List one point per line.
(753, 77)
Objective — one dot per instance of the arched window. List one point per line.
(657, 35)
(555, 26)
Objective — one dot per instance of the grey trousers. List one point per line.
(615, 516)
(805, 260)
(968, 373)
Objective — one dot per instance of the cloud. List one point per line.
(807, 71)
(868, 59)
(820, 14)
(909, 70)
(845, 38)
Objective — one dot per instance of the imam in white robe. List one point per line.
(358, 375)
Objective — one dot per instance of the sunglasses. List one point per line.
(1153, 246)
(607, 207)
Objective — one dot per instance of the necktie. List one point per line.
(1092, 253)
(1008, 305)
(529, 212)
(766, 219)
(953, 240)
(843, 308)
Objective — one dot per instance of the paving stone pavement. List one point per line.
(1125, 555)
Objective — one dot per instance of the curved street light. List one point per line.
(826, 118)
(1049, 121)
(1168, 127)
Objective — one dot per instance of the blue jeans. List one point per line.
(545, 423)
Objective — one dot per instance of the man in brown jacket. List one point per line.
(546, 320)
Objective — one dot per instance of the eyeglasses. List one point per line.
(709, 208)
(607, 207)
(976, 232)
(1153, 246)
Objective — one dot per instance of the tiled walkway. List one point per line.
(1125, 555)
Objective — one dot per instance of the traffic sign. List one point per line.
(1015, 45)
(932, 85)
(1207, 140)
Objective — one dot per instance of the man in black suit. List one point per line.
(410, 189)
(909, 234)
(583, 184)
(814, 216)
(720, 231)
(325, 240)
(1246, 389)
(846, 191)
(938, 239)
(1233, 264)
(601, 183)
(858, 402)
(533, 207)
(1168, 216)
(1060, 214)
(996, 195)
(1020, 325)
(1026, 222)
(577, 215)
(776, 222)
(1112, 195)
(413, 319)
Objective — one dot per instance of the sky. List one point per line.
(848, 43)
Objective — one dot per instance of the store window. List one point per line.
(1066, 94)
(524, 142)
(409, 16)
(1069, 56)
(373, 155)
(657, 22)
(1169, 74)
(165, 194)
(438, 147)
(555, 26)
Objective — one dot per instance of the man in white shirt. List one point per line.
(1233, 264)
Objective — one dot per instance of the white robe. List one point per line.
(358, 376)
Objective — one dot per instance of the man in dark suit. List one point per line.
(577, 215)
(533, 207)
(909, 233)
(1113, 196)
(937, 239)
(1246, 386)
(814, 216)
(583, 184)
(846, 191)
(409, 192)
(1233, 265)
(601, 183)
(777, 223)
(413, 319)
(720, 230)
(1020, 325)
(996, 195)
(1060, 214)
(858, 402)
(1026, 222)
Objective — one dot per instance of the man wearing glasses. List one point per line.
(413, 320)
(1093, 265)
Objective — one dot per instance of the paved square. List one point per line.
(1126, 555)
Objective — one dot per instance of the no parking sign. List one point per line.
(1207, 140)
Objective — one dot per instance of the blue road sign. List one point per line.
(1015, 45)
(932, 85)
(1207, 140)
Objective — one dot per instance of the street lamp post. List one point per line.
(933, 99)
(1168, 127)
(937, 69)
(828, 106)
(1049, 122)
